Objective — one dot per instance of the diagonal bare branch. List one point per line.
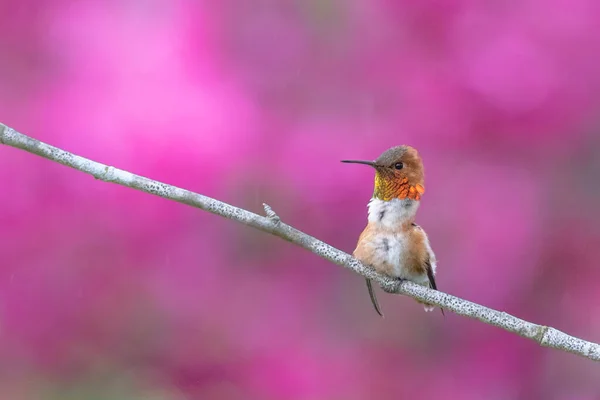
(543, 335)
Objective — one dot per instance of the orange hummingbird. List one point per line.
(392, 243)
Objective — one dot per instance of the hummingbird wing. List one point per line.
(431, 277)
(430, 261)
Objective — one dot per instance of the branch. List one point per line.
(543, 335)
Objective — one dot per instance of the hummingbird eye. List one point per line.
(399, 165)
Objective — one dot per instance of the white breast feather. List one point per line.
(392, 213)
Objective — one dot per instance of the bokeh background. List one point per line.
(108, 293)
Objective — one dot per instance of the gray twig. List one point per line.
(543, 335)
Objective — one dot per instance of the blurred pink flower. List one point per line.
(258, 103)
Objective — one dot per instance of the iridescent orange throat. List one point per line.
(387, 189)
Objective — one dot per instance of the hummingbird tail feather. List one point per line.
(373, 297)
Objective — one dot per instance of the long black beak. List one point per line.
(371, 163)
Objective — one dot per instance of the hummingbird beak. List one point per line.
(371, 163)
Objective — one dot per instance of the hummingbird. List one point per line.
(392, 243)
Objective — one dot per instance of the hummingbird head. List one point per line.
(399, 174)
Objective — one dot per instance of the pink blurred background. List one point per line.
(106, 292)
